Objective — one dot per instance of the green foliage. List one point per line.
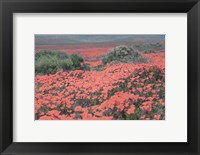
(48, 54)
(124, 54)
(49, 62)
(85, 67)
(149, 51)
(150, 47)
(76, 59)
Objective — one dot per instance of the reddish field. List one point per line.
(120, 91)
(87, 51)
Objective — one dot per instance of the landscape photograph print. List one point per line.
(99, 77)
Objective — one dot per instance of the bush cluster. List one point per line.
(49, 62)
(150, 47)
(124, 54)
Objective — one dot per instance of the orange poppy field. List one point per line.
(100, 81)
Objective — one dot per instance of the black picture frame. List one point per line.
(8, 7)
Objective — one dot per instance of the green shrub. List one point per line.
(76, 59)
(124, 54)
(48, 54)
(85, 67)
(149, 47)
(49, 62)
(149, 51)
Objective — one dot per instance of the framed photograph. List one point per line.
(99, 77)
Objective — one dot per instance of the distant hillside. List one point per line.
(41, 39)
